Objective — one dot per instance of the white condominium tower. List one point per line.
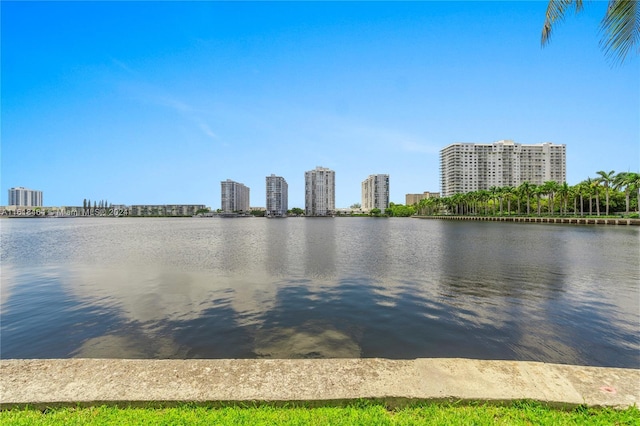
(234, 197)
(277, 196)
(319, 192)
(375, 192)
(468, 167)
(25, 197)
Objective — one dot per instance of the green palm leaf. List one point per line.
(620, 25)
(555, 12)
(621, 28)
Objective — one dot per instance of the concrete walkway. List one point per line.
(97, 381)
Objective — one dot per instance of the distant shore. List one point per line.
(569, 220)
(520, 219)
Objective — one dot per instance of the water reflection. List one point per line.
(278, 243)
(136, 346)
(304, 288)
(320, 247)
(312, 339)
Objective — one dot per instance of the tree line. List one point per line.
(102, 204)
(607, 193)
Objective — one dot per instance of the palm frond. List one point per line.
(621, 28)
(556, 11)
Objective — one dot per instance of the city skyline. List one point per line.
(184, 95)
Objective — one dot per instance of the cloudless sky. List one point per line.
(157, 102)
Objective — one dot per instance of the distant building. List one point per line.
(25, 197)
(319, 192)
(164, 209)
(375, 192)
(411, 199)
(468, 167)
(277, 196)
(234, 197)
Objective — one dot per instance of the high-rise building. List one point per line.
(375, 192)
(320, 192)
(277, 196)
(234, 197)
(25, 197)
(468, 167)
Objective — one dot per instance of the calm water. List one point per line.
(311, 288)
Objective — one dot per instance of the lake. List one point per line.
(319, 288)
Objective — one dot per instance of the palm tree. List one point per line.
(626, 180)
(508, 192)
(595, 188)
(424, 206)
(431, 204)
(473, 200)
(460, 203)
(457, 200)
(550, 188)
(606, 179)
(563, 192)
(575, 193)
(620, 26)
(500, 194)
(587, 187)
(483, 196)
(446, 203)
(634, 178)
(494, 193)
(526, 189)
(469, 201)
(583, 188)
(620, 182)
(538, 191)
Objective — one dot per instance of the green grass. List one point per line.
(359, 413)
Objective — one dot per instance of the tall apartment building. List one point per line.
(375, 192)
(234, 197)
(277, 196)
(319, 192)
(467, 167)
(25, 197)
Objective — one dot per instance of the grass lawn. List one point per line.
(360, 413)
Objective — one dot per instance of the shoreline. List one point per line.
(523, 219)
(135, 382)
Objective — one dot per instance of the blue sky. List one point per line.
(156, 103)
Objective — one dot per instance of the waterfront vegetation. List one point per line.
(358, 413)
(605, 195)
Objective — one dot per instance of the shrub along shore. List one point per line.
(528, 219)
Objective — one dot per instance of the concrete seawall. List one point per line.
(568, 220)
(87, 382)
